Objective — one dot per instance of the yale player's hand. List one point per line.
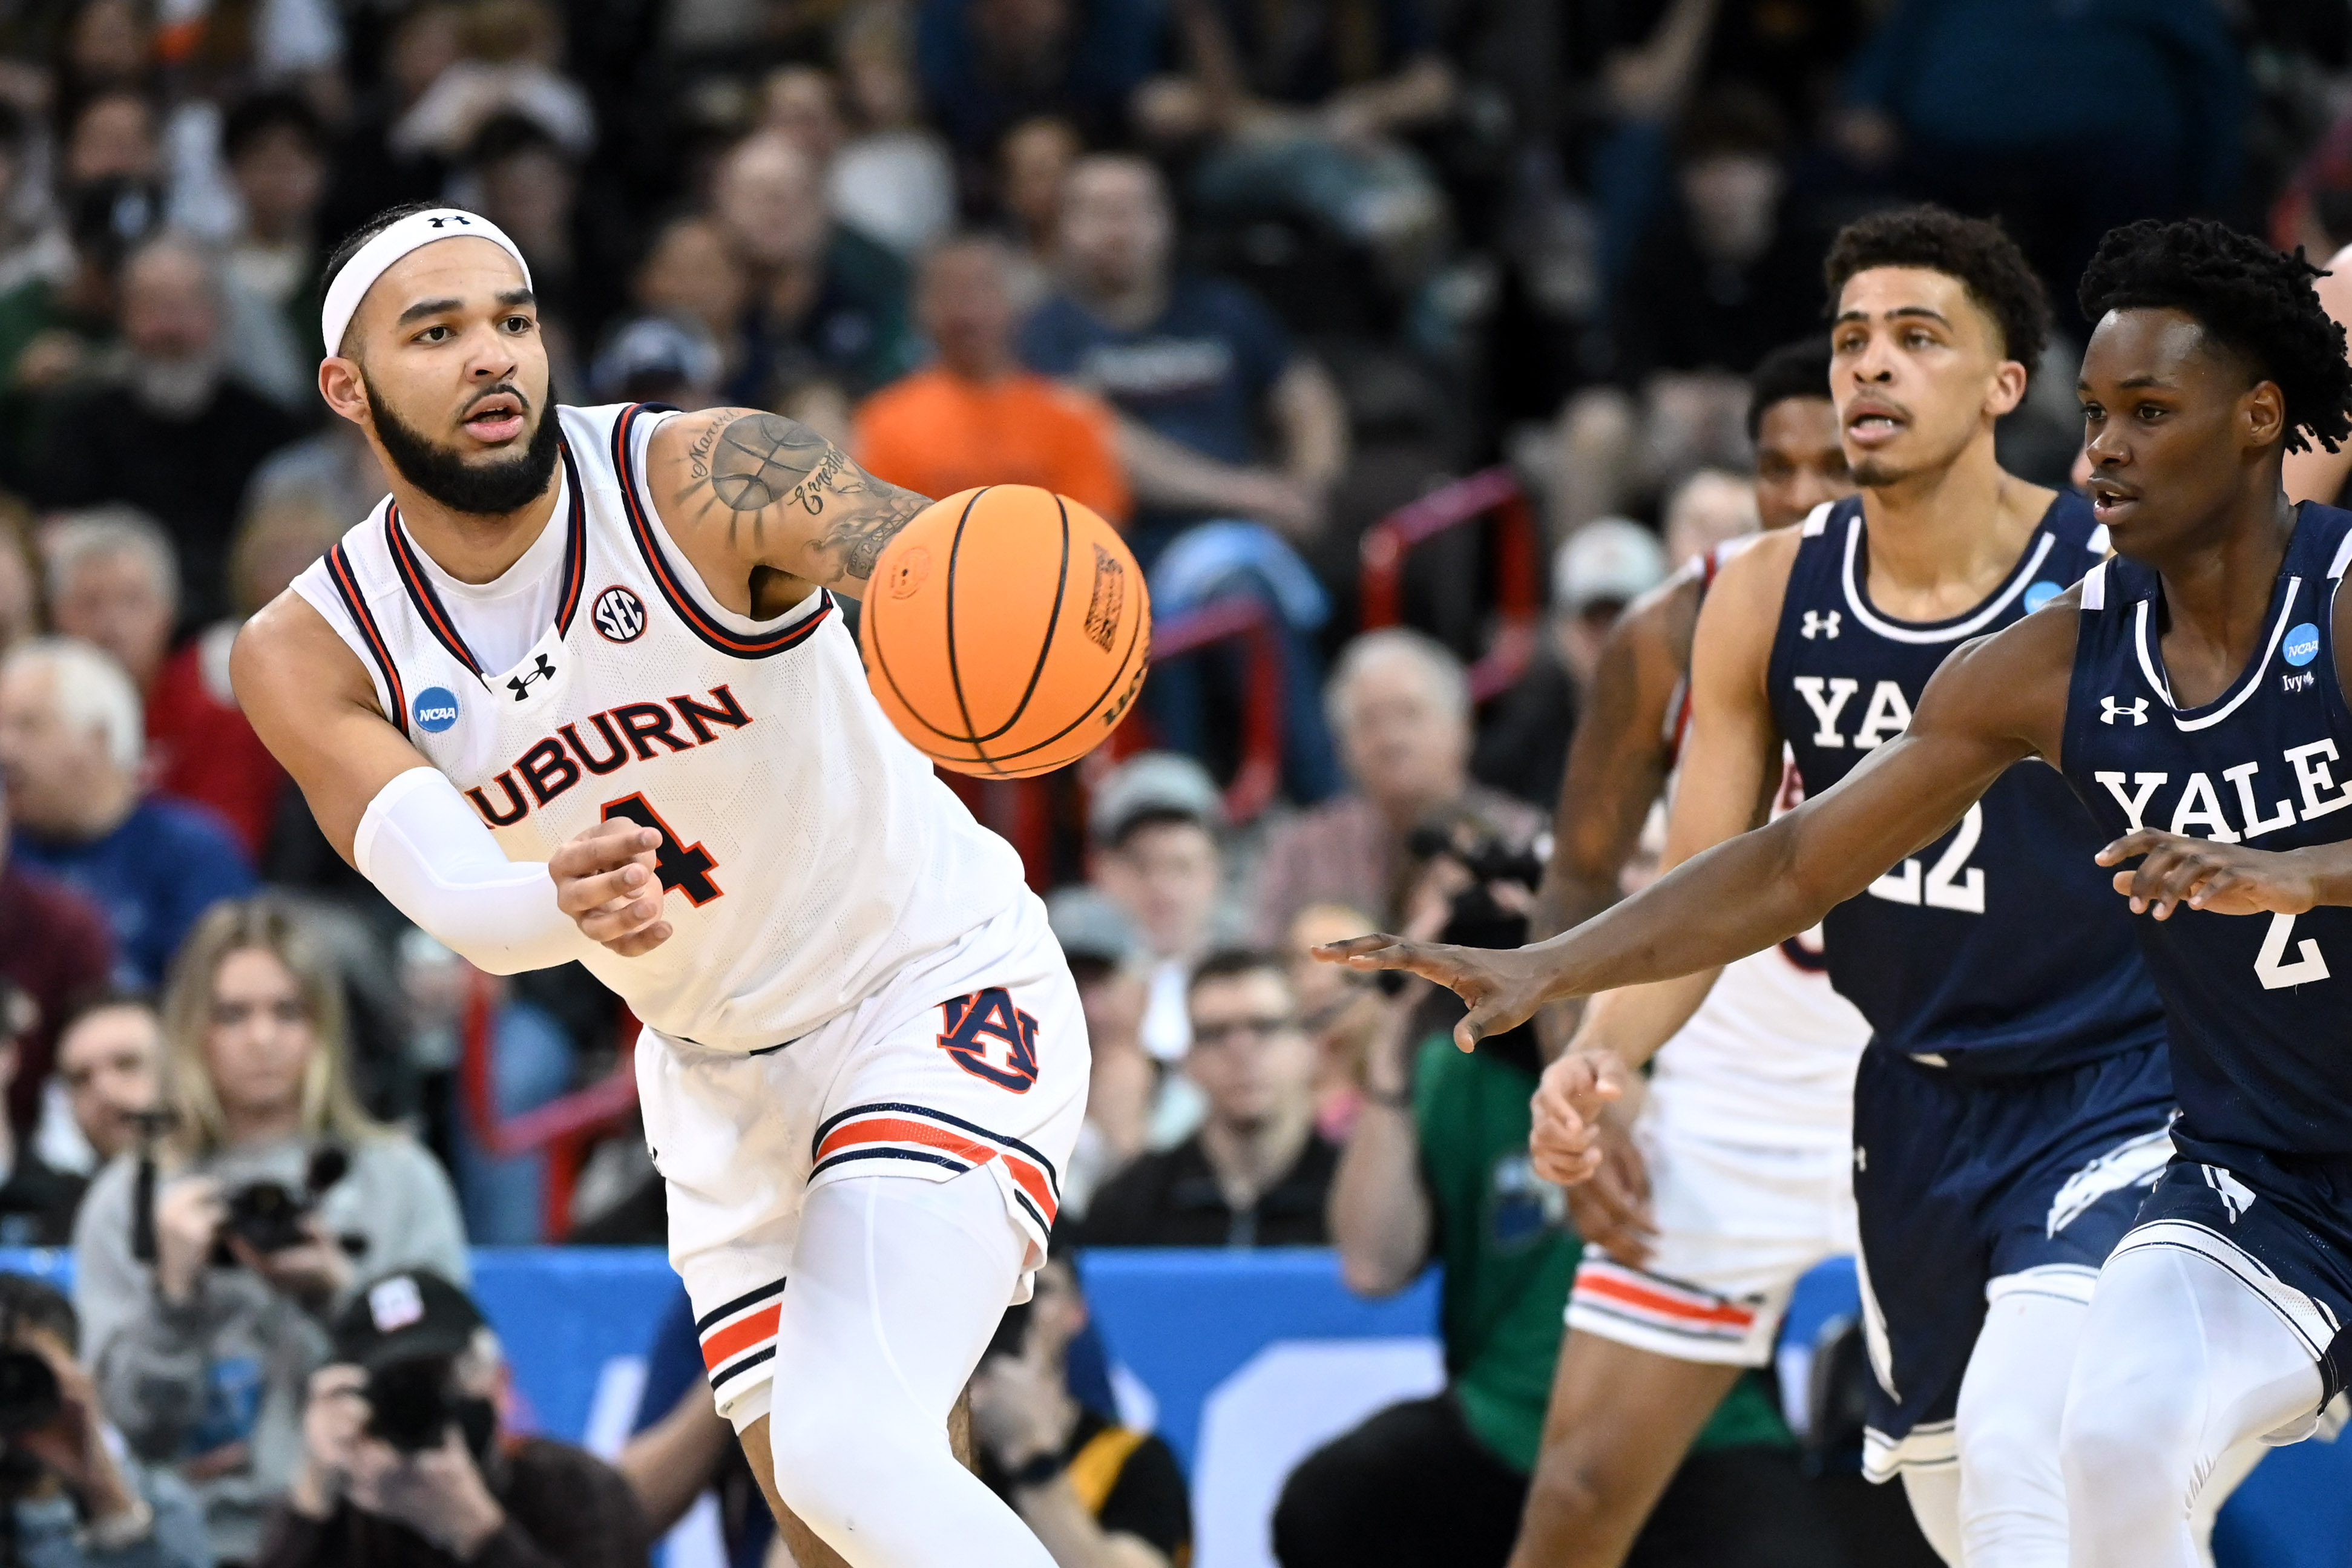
(2223, 879)
(1504, 986)
(605, 880)
(1611, 1211)
(1566, 1144)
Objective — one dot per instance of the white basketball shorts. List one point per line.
(1737, 1226)
(976, 1055)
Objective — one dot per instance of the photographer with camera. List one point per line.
(272, 1195)
(404, 1464)
(1437, 1169)
(69, 1501)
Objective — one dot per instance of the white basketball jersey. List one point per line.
(807, 851)
(1770, 1056)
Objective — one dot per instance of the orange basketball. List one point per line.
(1005, 631)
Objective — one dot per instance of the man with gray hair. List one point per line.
(1398, 703)
(173, 431)
(72, 747)
(114, 583)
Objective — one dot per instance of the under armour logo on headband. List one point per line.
(452, 218)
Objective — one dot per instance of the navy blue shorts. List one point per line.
(2282, 1225)
(1962, 1185)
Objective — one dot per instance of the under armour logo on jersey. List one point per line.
(542, 669)
(971, 1026)
(2236, 1196)
(619, 615)
(446, 221)
(1820, 625)
(2111, 710)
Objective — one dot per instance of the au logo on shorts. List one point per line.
(619, 614)
(986, 1024)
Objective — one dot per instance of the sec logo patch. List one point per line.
(619, 615)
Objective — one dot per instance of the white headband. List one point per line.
(375, 259)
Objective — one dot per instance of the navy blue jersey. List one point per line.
(2257, 1003)
(2000, 948)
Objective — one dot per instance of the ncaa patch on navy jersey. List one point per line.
(434, 709)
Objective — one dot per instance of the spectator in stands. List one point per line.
(333, 472)
(1400, 704)
(1990, 107)
(110, 1066)
(72, 753)
(530, 186)
(1709, 507)
(1031, 162)
(1124, 1085)
(827, 304)
(1719, 279)
(56, 948)
(1329, 72)
(894, 177)
(36, 1201)
(53, 331)
(977, 416)
(73, 1499)
(1437, 1170)
(689, 276)
(1097, 1494)
(276, 148)
(1154, 821)
(112, 135)
(33, 243)
(1596, 572)
(509, 60)
(177, 437)
(988, 66)
(113, 584)
(203, 1356)
(656, 359)
(1257, 1172)
(1196, 365)
(1337, 1008)
(471, 1493)
(369, 174)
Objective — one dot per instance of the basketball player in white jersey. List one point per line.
(579, 689)
(1734, 1182)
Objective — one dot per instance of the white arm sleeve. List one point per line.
(426, 851)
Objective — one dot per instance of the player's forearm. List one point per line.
(2329, 868)
(424, 850)
(1163, 474)
(1314, 424)
(1378, 1214)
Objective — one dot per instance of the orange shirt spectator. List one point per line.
(977, 417)
(936, 432)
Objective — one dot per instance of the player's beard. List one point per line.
(488, 489)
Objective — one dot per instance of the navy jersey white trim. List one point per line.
(2257, 1003)
(2000, 948)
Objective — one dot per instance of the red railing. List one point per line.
(1518, 576)
(564, 1128)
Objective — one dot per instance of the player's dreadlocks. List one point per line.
(1976, 251)
(2256, 299)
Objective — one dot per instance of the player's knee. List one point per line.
(2127, 1436)
(1573, 1492)
(831, 1452)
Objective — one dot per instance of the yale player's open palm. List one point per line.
(1504, 986)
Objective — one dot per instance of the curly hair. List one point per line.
(2256, 300)
(1974, 251)
(1793, 369)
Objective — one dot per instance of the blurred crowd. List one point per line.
(1242, 276)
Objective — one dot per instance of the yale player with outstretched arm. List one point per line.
(579, 689)
(2192, 692)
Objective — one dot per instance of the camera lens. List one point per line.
(29, 1395)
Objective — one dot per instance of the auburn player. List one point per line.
(579, 689)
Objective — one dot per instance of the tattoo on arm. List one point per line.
(762, 471)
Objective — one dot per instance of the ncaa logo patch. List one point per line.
(2302, 644)
(434, 709)
(2039, 594)
(619, 615)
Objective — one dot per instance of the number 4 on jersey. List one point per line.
(680, 867)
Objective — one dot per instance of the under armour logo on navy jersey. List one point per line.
(619, 614)
(542, 669)
(1820, 625)
(2135, 710)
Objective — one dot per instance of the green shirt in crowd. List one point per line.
(1502, 1234)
